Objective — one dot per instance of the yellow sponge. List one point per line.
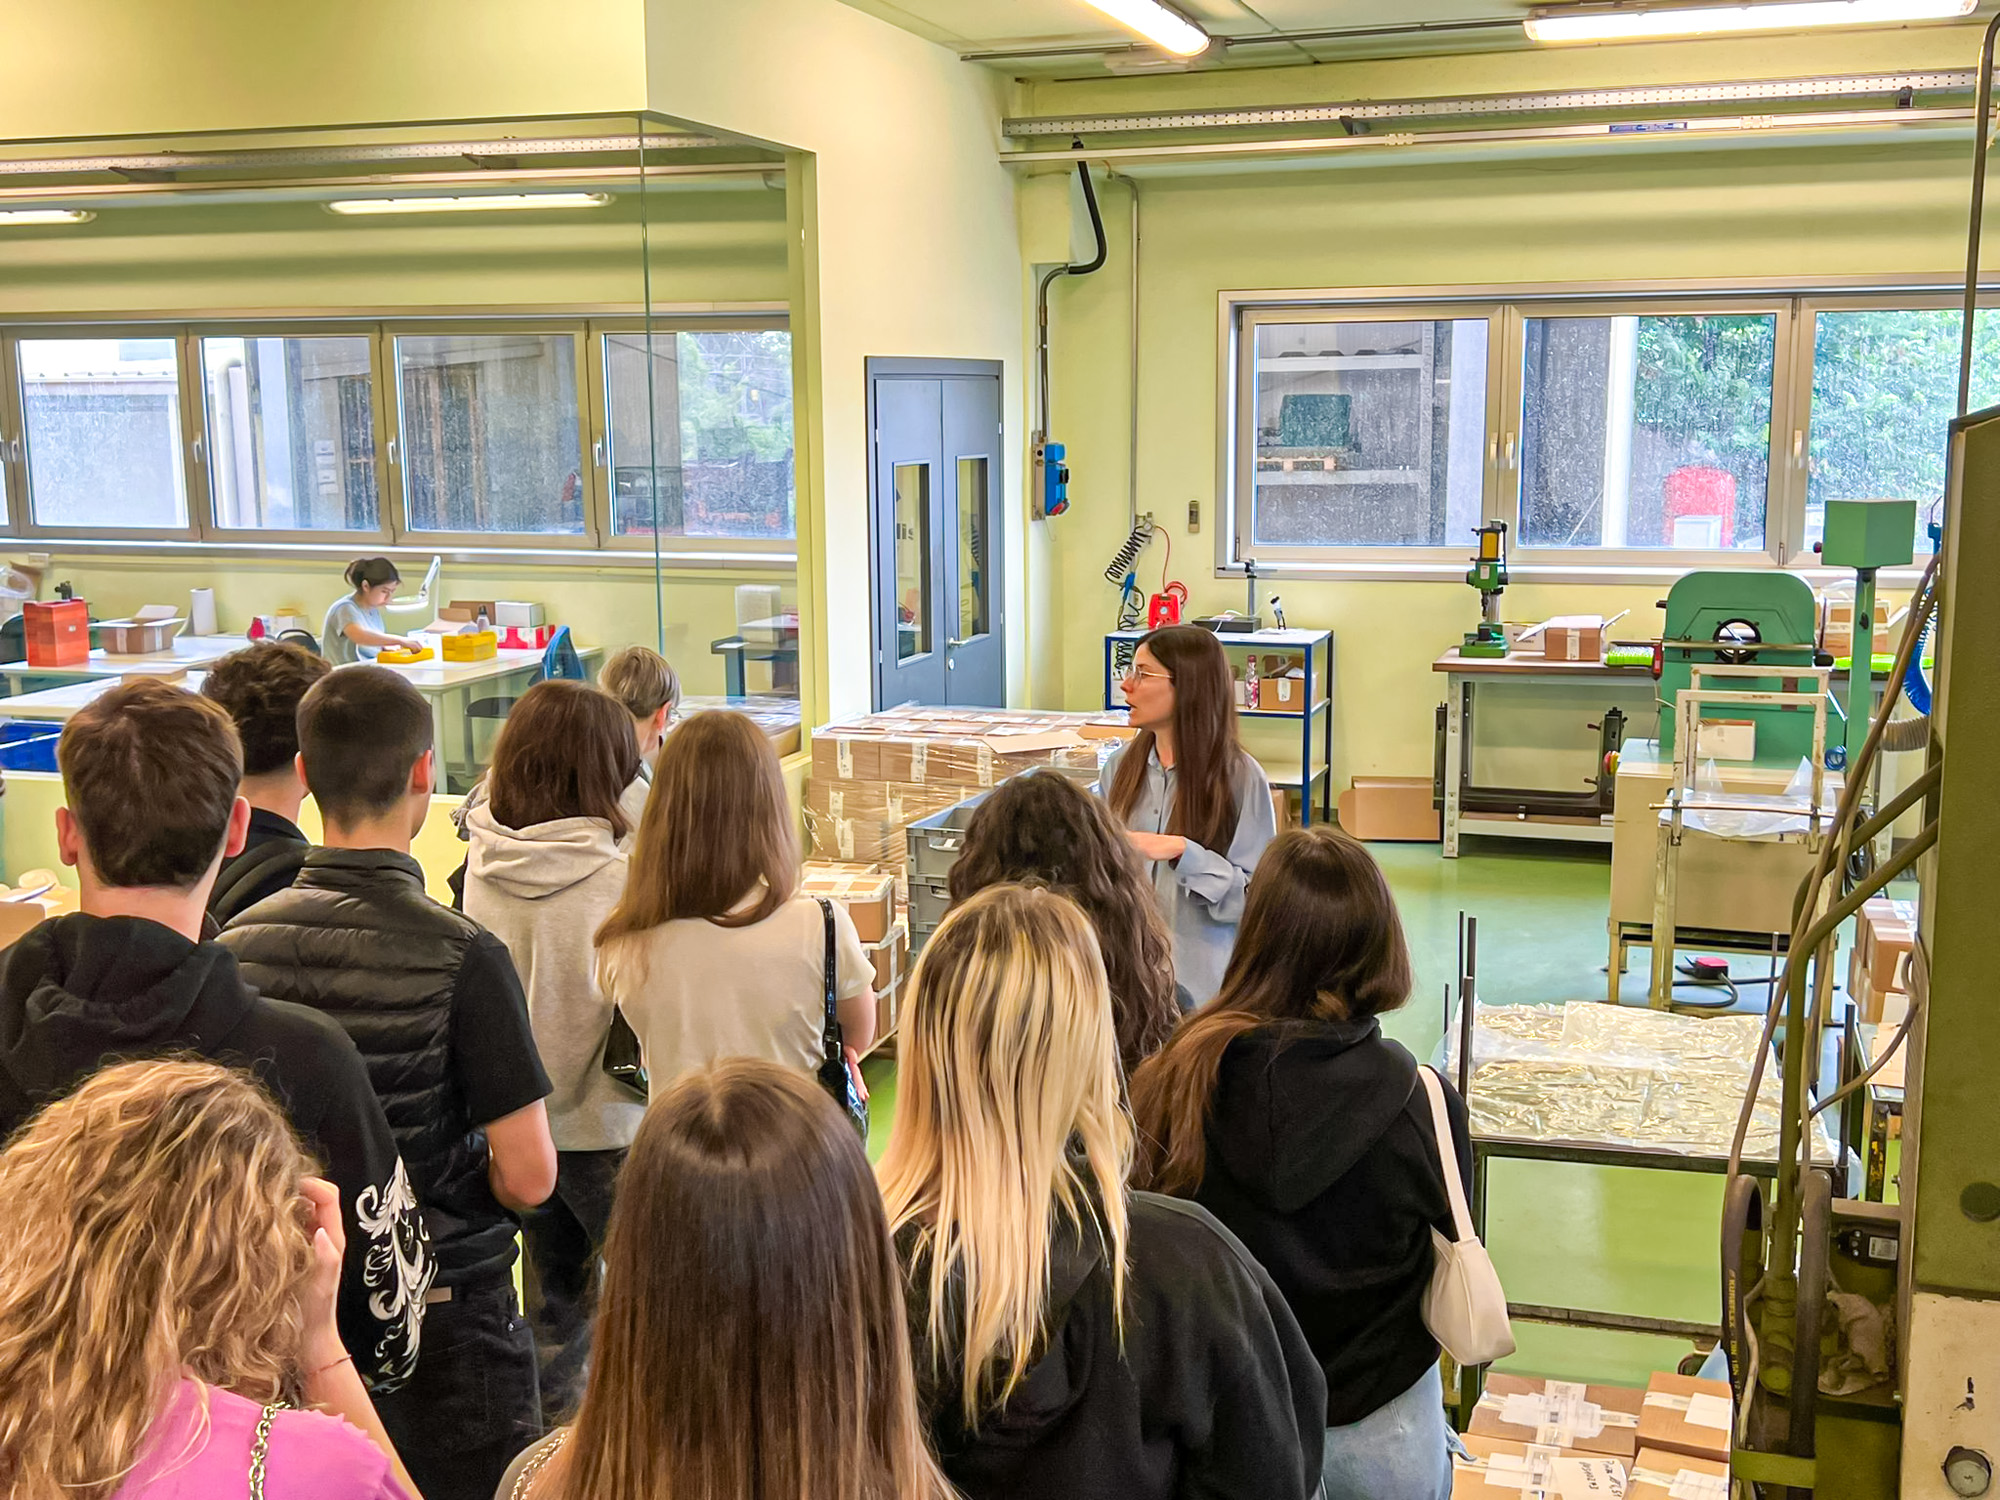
(478, 645)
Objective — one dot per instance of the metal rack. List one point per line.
(1315, 718)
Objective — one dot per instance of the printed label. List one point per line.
(896, 805)
(1709, 1411)
(836, 805)
(843, 836)
(843, 755)
(1589, 1478)
(1689, 1485)
(920, 760)
(985, 764)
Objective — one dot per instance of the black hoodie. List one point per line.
(1215, 1394)
(1321, 1160)
(79, 992)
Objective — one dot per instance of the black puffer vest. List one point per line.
(357, 937)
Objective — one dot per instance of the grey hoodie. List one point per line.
(544, 891)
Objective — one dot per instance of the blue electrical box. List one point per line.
(1055, 479)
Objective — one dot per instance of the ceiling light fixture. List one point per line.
(1157, 24)
(483, 203)
(1621, 22)
(45, 216)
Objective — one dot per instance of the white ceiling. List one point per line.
(996, 25)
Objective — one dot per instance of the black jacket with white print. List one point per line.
(79, 992)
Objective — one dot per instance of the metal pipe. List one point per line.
(1223, 44)
(1981, 143)
(1132, 467)
(1075, 268)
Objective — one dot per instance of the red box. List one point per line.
(57, 634)
(526, 637)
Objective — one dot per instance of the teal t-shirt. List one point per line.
(333, 641)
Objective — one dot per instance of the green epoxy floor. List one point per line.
(1617, 1240)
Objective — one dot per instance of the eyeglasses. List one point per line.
(1142, 672)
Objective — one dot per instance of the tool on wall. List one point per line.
(1051, 479)
(1489, 576)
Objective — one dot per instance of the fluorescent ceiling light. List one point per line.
(483, 203)
(45, 216)
(1156, 24)
(1620, 22)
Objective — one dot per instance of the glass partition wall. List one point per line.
(555, 354)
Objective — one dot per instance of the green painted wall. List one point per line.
(1607, 215)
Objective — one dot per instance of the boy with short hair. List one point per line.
(151, 773)
(433, 1002)
(260, 688)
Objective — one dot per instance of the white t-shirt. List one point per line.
(695, 992)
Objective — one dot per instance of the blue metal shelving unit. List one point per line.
(1315, 719)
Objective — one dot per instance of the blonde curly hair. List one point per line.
(154, 1226)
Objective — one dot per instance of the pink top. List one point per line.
(310, 1456)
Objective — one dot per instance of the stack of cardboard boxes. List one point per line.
(1878, 969)
(869, 895)
(1554, 1439)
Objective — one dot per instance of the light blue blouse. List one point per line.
(1201, 894)
(333, 642)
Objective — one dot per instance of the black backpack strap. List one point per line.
(251, 869)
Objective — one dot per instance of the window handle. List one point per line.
(1493, 451)
(392, 453)
(195, 447)
(597, 454)
(1510, 450)
(1798, 448)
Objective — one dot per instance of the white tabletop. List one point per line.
(185, 653)
(431, 678)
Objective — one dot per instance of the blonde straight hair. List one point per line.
(1008, 1055)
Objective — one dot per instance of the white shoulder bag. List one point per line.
(1465, 1308)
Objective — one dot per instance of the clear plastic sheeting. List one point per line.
(1754, 820)
(1621, 1078)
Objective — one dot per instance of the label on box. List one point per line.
(1588, 1478)
(1529, 1473)
(1701, 1410)
(843, 837)
(920, 762)
(1688, 1485)
(896, 803)
(1560, 1418)
(836, 804)
(985, 764)
(843, 753)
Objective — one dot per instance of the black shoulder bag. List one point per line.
(621, 1056)
(833, 1074)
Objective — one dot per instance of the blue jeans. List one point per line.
(1401, 1451)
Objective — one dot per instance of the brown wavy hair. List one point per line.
(1320, 940)
(1207, 746)
(565, 751)
(1044, 828)
(750, 1339)
(153, 1225)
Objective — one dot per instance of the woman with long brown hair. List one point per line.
(712, 952)
(751, 1340)
(1283, 1110)
(1074, 1339)
(1194, 803)
(167, 1302)
(546, 867)
(1043, 828)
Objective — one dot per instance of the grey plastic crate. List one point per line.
(935, 841)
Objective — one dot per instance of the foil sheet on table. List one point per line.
(1622, 1077)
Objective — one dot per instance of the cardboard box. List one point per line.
(472, 609)
(1684, 1415)
(136, 637)
(897, 802)
(57, 633)
(515, 612)
(890, 957)
(1884, 933)
(1573, 638)
(847, 757)
(1600, 1419)
(1659, 1475)
(1378, 809)
(1283, 695)
(1107, 731)
(870, 899)
(1503, 1470)
(1726, 739)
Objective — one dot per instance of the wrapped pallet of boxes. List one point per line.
(1686, 1415)
(1600, 1419)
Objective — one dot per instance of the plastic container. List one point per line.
(28, 745)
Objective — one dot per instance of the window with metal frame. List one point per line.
(291, 433)
(101, 433)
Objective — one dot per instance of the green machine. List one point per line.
(1866, 535)
(1741, 619)
(1489, 576)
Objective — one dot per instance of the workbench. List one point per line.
(1462, 675)
(185, 653)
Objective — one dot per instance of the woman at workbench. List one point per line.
(1193, 801)
(353, 629)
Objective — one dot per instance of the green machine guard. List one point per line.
(1762, 619)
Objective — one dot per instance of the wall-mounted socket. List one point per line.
(1194, 516)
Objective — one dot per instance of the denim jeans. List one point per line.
(1401, 1451)
(565, 1237)
(473, 1403)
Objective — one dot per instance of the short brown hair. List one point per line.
(565, 751)
(642, 680)
(260, 688)
(151, 772)
(716, 772)
(362, 731)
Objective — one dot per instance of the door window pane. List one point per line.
(1885, 387)
(1368, 434)
(974, 505)
(1647, 431)
(103, 428)
(913, 561)
(291, 437)
(718, 450)
(491, 439)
